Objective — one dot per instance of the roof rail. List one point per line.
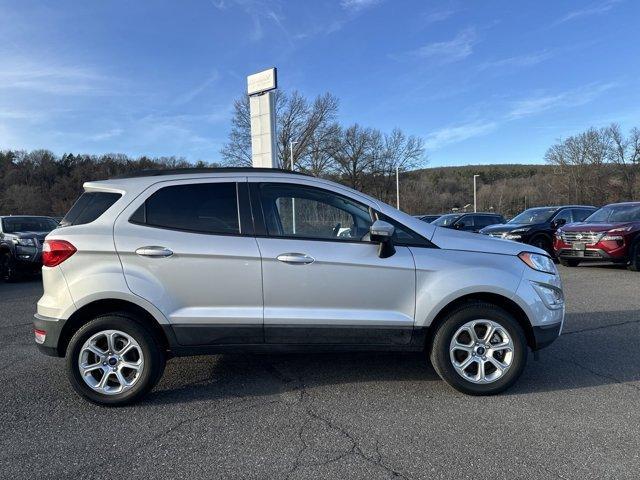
(156, 172)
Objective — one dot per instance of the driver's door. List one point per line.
(323, 281)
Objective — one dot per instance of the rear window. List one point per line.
(201, 208)
(89, 207)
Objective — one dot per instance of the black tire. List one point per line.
(440, 356)
(154, 358)
(567, 262)
(634, 258)
(543, 242)
(8, 271)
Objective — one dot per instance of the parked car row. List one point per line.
(570, 233)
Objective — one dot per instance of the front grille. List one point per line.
(581, 237)
(581, 253)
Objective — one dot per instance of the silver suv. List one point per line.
(167, 264)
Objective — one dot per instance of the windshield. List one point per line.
(446, 220)
(533, 215)
(615, 213)
(28, 224)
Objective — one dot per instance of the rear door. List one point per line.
(187, 247)
(323, 280)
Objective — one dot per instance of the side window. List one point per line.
(565, 214)
(402, 236)
(89, 207)
(486, 220)
(201, 208)
(579, 214)
(306, 212)
(467, 222)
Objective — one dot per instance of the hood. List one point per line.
(449, 239)
(506, 227)
(595, 227)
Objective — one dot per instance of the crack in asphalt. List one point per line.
(602, 375)
(601, 327)
(354, 448)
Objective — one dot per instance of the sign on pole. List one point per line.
(260, 88)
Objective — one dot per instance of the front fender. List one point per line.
(443, 276)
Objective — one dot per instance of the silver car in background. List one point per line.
(167, 264)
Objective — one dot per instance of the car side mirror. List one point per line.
(459, 226)
(558, 222)
(381, 232)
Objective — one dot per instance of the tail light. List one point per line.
(54, 252)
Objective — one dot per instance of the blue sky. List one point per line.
(480, 81)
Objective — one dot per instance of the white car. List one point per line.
(167, 264)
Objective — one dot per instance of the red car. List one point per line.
(610, 234)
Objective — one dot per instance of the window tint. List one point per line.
(402, 236)
(304, 212)
(466, 222)
(579, 214)
(201, 208)
(28, 224)
(486, 220)
(89, 207)
(566, 214)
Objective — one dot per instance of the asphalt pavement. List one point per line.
(573, 414)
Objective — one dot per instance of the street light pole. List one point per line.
(475, 203)
(397, 188)
(293, 200)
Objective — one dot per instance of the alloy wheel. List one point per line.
(481, 351)
(111, 362)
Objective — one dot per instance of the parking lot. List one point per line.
(573, 414)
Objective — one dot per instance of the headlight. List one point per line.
(24, 242)
(607, 236)
(551, 296)
(520, 230)
(539, 262)
(511, 236)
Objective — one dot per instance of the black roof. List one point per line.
(183, 171)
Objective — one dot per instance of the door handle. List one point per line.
(154, 251)
(296, 258)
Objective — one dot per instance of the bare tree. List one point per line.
(297, 121)
(624, 154)
(354, 153)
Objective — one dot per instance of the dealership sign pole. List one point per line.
(261, 90)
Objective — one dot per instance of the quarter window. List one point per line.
(201, 208)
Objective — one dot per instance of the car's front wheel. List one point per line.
(634, 258)
(114, 360)
(479, 349)
(8, 271)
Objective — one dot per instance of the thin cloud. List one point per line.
(257, 10)
(51, 78)
(458, 48)
(526, 60)
(594, 9)
(570, 98)
(98, 137)
(188, 96)
(358, 5)
(458, 133)
(439, 15)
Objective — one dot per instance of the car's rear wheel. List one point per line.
(566, 262)
(634, 258)
(114, 360)
(479, 349)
